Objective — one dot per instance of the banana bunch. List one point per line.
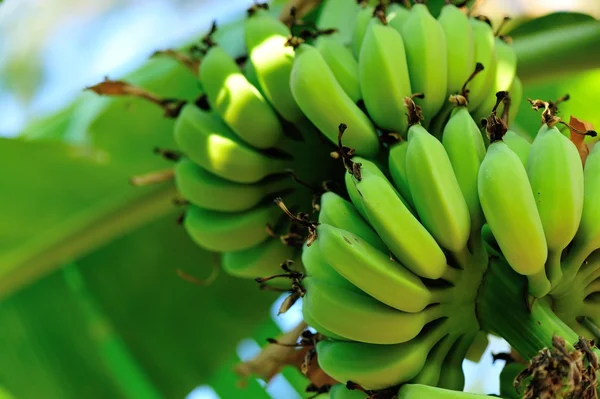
(408, 391)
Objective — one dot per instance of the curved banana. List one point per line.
(363, 18)
(518, 144)
(504, 75)
(272, 61)
(511, 213)
(377, 366)
(342, 63)
(411, 391)
(318, 269)
(374, 272)
(225, 231)
(587, 238)
(341, 16)
(403, 234)
(339, 391)
(207, 141)
(261, 260)
(452, 375)
(430, 373)
(384, 75)
(237, 101)
(460, 46)
(308, 319)
(208, 191)
(435, 190)
(464, 145)
(397, 167)
(326, 104)
(485, 53)
(425, 46)
(556, 177)
(360, 317)
(340, 213)
(397, 16)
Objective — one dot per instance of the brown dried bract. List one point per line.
(577, 138)
(561, 373)
(190, 62)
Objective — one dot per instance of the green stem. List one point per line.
(552, 53)
(502, 309)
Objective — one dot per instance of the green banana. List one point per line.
(272, 60)
(225, 231)
(397, 16)
(504, 75)
(411, 391)
(403, 234)
(485, 53)
(308, 319)
(363, 19)
(340, 213)
(452, 375)
(425, 46)
(374, 272)
(237, 101)
(324, 102)
(208, 191)
(341, 16)
(477, 347)
(339, 391)
(464, 145)
(318, 269)
(460, 46)
(435, 190)
(384, 75)
(587, 238)
(518, 144)
(510, 210)
(261, 260)
(430, 373)
(360, 317)
(342, 63)
(377, 366)
(556, 177)
(207, 141)
(507, 380)
(397, 167)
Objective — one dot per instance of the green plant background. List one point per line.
(90, 303)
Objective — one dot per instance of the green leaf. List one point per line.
(122, 324)
(556, 45)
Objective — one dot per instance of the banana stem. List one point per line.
(502, 307)
(553, 267)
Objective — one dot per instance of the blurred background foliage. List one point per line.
(90, 302)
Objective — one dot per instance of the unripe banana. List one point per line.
(374, 272)
(556, 177)
(363, 19)
(383, 74)
(207, 141)
(504, 75)
(397, 16)
(509, 208)
(403, 234)
(341, 16)
(272, 60)
(377, 366)
(318, 269)
(507, 380)
(425, 46)
(452, 375)
(477, 347)
(339, 391)
(224, 231)
(308, 319)
(587, 238)
(342, 63)
(258, 261)
(412, 391)
(460, 46)
(360, 317)
(430, 373)
(435, 191)
(485, 53)
(397, 167)
(208, 191)
(340, 213)
(518, 144)
(324, 102)
(238, 102)
(465, 148)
